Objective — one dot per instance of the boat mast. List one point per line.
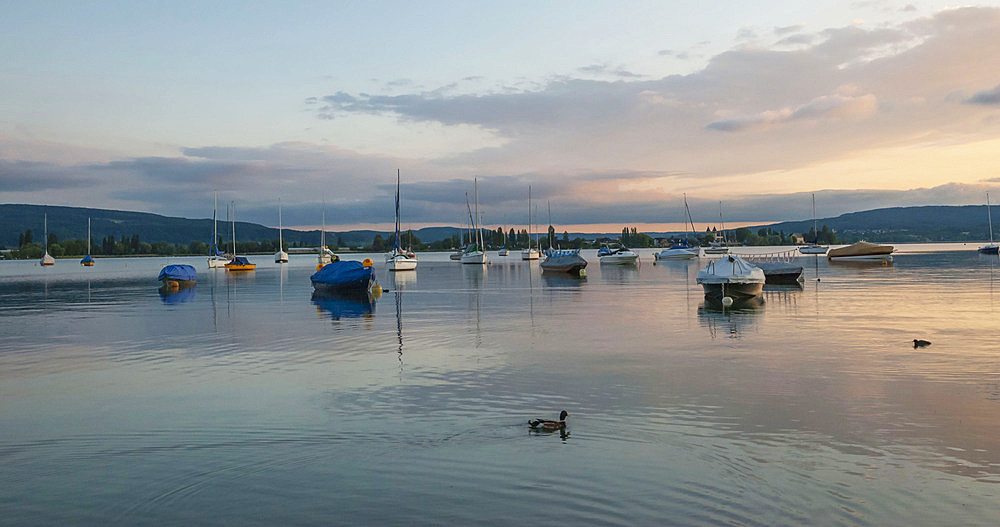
(550, 230)
(816, 231)
(215, 225)
(88, 230)
(479, 230)
(688, 212)
(45, 236)
(322, 233)
(280, 244)
(234, 228)
(529, 218)
(989, 217)
(396, 246)
(723, 223)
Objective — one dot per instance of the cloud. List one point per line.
(986, 97)
(835, 106)
(784, 30)
(31, 176)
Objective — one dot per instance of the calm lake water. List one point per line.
(246, 401)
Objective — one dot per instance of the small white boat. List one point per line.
(814, 248)
(47, 259)
(325, 255)
(217, 259)
(678, 252)
(616, 254)
(397, 259)
(281, 256)
(502, 252)
(732, 277)
(863, 251)
(990, 248)
(719, 247)
(474, 253)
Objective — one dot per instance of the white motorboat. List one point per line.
(990, 248)
(678, 252)
(616, 254)
(281, 256)
(474, 253)
(814, 248)
(397, 259)
(863, 251)
(681, 251)
(731, 277)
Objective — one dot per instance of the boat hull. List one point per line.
(780, 273)
(813, 249)
(529, 254)
(87, 264)
(677, 254)
(476, 258)
(862, 251)
(571, 263)
(739, 292)
(217, 262)
(400, 263)
(619, 259)
(502, 252)
(989, 249)
(863, 258)
(716, 250)
(171, 283)
(281, 257)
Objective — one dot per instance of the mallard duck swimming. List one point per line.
(917, 343)
(545, 424)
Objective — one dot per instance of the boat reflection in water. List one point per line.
(171, 295)
(344, 305)
(730, 322)
(563, 280)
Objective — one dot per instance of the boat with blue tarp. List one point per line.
(345, 275)
(563, 261)
(177, 275)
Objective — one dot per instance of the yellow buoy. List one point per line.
(583, 272)
(174, 285)
(377, 291)
(319, 266)
(367, 263)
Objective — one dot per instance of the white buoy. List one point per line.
(583, 272)
(727, 301)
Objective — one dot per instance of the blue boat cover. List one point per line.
(241, 260)
(680, 246)
(344, 274)
(178, 272)
(603, 251)
(87, 258)
(557, 253)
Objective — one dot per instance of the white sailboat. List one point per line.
(990, 248)
(217, 259)
(814, 247)
(397, 259)
(281, 256)
(719, 247)
(681, 251)
(46, 258)
(529, 253)
(325, 254)
(475, 253)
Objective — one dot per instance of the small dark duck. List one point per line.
(917, 343)
(545, 424)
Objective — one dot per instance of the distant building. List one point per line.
(797, 239)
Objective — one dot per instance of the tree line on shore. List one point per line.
(29, 248)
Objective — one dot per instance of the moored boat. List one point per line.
(397, 259)
(679, 251)
(177, 276)
(814, 248)
(217, 259)
(530, 253)
(731, 277)
(616, 254)
(281, 256)
(780, 272)
(862, 251)
(238, 263)
(563, 261)
(343, 276)
(990, 248)
(47, 259)
(475, 252)
(88, 261)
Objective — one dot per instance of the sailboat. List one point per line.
(397, 259)
(814, 247)
(719, 247)
(88, 261)
(681, 251)
(239, 263)
(529, 253)
(325, 254)
(562, 260)
(281, 256)
(46, 258)
(990, 248)
(216, 259)
(475, 253)
(503, 250)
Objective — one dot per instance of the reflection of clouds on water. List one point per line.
(730, 322)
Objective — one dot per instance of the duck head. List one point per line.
(563, 415)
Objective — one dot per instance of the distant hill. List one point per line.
(899, 224)
(71, 222)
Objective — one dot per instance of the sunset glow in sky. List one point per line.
(610, 112)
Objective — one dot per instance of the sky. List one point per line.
(612, 112)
